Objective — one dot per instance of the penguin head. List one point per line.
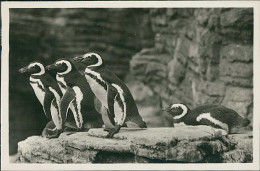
(62, 66)
(34, 68)
(90, 60)
(177, 110)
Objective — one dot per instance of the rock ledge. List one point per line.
(152, 145)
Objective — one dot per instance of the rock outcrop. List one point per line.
(154, 145)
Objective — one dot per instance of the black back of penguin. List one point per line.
(229, 117)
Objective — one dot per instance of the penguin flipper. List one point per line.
(47, 104)
(66, 99)
(111, 95)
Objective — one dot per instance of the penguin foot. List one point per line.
(112, 131)
(108, 129)
(75, 129)
(53, 133)
(68, 129)
(110, 135)
(70, 133)
(49, 126)
(47, 131)
(82, 129)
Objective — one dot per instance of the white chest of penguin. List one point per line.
(61, 79)
(35, 83)
(98, 90)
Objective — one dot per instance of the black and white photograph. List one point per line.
(144, 83)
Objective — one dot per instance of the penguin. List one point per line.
(216, 116)
(77, 95)
(111, 91)
(49, 95)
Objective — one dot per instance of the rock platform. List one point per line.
(190, 144)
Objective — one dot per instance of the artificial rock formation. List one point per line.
(153, 145)
(200, 56)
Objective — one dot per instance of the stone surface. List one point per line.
(243, 149)
(237, 53)
(179, 144)
(236, 69)
(237, 23)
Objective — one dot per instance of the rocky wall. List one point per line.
(200, 56)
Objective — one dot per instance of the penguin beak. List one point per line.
(50, 67)
(78, 58)
(23, 70)
(167, 109)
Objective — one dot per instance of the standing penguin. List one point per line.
(77, 95)
(212, 115)
(111, 91)
(48, 93)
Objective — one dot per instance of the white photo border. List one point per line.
(5, 162)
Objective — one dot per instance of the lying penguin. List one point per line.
(111, 91)
(77, 95)
(48, 93)
(212, 115)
